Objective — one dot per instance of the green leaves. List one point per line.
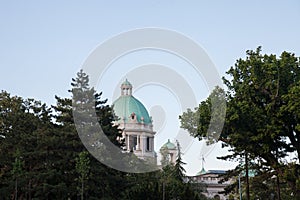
(83, 165)
(83, 169)
(40, 146)
(262, 115)
(17, 166)
(206, 121)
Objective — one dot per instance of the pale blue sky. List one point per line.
(44, 43)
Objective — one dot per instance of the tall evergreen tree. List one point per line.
(178, 167)
(103, 180)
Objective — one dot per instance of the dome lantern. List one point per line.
(126, 88)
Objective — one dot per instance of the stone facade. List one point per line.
(211, 180)
(136, 124)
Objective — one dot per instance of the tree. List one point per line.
(103, 181)
(205, 122)
(86, 102)
(22, 124)
(259, 89)
(178, 168)
(262, 117)
(39, 149)
(82, 168)
(17, 170)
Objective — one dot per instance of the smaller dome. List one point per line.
(126, 83)
(201, 172)
(169, 145)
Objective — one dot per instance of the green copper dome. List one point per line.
(169, 145)
(126, 82)
(126, 105)
(201, 172)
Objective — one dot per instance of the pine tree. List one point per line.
(179, 169)
(89, 111)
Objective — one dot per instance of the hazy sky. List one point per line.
(44, 43)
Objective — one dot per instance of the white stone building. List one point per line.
(211, 180)
(136, 124)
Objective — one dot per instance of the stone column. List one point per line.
(151, 143)
(142, 143)
(128, 143)
(137, 142)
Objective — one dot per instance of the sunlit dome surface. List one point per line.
(127, 104)
(169, 145)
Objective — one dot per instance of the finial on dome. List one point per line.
(126, 88)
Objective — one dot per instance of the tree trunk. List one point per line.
(29, 189)
(82, 190)
(16, 187)
(278, 187)
(163, 190)
(247, 177)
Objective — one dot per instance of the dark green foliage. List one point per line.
(23, 127)
(48, 146)
(42, 156)
(178, 167)
(206, 121)
(83, 171)
(262, 115)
